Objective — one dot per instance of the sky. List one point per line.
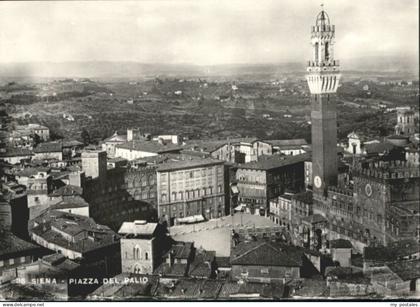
(202, 32)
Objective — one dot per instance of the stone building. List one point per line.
(74, 236)
(341, 252)
(50, 150)
(264, 261)
(16, 155)
(142, 246)
(141, 184)
(268, 178)
(111, 201)
(136, 149)
(94, 163)
(191, 187)
(407, 121)
(39, 186)
(281, 210)
(382, 205)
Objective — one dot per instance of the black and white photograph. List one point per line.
(181, 151)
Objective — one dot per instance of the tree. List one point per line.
(85, 137)
(37, 139)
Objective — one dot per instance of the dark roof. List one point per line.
(340, 243)
(60, 262)
(314, 218)
(201, 266)
(72, 143)
(211, 145)
(347, 274)
(275, 161)
(223, 262)
(176, 269)
(72, 225)
(406, 270)
(265, 254)
(149, 146)
(15, 152)
(287, 143)
(175, 165)
(305, 197)
(67, 190)
(378, 147)
(11, 245)
(190, 289)
(391, 252)
(30, 171)
(233, 289)
(117, 159)
(69, 202)
(123, 290)
(181, 250)
(49, 147)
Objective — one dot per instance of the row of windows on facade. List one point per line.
(137, 254)
(265, 271)
(181, 175)
(143, 182)
(12, 261)
(281, 222)
(121, 212)
(366, 213)
(191, 194)
(251, 200)
(283, 205)
(211, 213)
(36, 187)
(190, 206)
(253, 192)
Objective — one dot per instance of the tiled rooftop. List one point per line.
(275, 161)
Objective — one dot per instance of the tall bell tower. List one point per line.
(323, 78)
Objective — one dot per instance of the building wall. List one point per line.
(44, 134)
(253, 188)
(137, 255)
(80, 211)
(281, 211)
(370, 206)
(16, 159)
(132, 154)
(264, 273)
(110, 202)
(308, 173)
(142, 184)
(191, 191)
(262, 148)
(94, 164)
(52, 246)
(48, 155)
(257, 187)
(342, 255)
(13, 262)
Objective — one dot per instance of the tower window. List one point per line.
(327, 52)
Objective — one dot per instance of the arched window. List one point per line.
(136, 252)
(327, 52)
(316, 52)
(146, 255)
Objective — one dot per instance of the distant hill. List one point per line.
(102, 69)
